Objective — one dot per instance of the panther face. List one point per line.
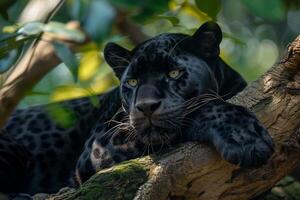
(164, 79)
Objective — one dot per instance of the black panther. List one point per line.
(173, 89)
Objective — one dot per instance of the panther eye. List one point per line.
(132, 82)
(174, 73)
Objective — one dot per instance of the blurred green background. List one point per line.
(256, 32)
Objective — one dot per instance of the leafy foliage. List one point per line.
(12, 47)
(67, 57)
(143, 10)
(211, 7)
(273, 10)
(250, 30)
(65, 117)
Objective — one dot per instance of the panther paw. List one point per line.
(252, 150)
(250, 156)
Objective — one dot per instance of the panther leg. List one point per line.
(235, 132)
(103, 151)
(84, 167)
(14, 164)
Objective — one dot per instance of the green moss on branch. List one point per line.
(119, 183)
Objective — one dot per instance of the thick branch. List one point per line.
(196, 171)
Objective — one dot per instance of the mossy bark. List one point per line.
(286, 189)
(120, 182)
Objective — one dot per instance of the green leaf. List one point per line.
(37, 93)
(93, 97)
(60, 30)
(11, 49)
(31, 28)
(67, 56)
(10, 29)
(78, 8)
(173, 19)
(7, 62)
(143, 10)
(63, 116)
(99, 20)
(5, 38)
(210, 7)
(273, 10)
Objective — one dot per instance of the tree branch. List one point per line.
(196, 171)
(29, 71)
(35, 64)
(130, 29)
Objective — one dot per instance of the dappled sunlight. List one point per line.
(89, 65)
(68, 92)
(101, 81)
(267, 54)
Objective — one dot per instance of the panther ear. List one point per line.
(208, 38)
(117, 57)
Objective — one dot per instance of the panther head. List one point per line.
(163, 78)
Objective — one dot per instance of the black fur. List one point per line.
(160, 111)
(54, 149)
(14, 163)
(235, 132)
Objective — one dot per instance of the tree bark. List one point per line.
(196, 171)
(130, 29)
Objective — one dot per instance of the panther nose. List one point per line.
(148, 107)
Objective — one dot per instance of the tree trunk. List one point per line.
(196, 171)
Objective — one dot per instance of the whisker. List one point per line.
(119, 58)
